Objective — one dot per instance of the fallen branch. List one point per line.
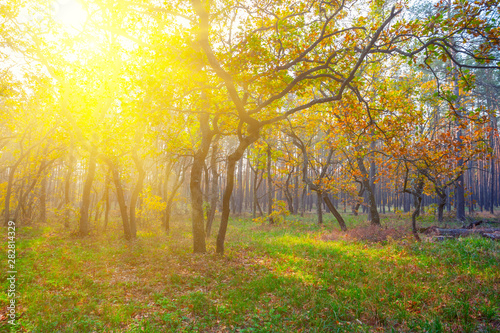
(465, 232)
(472, 225)
(494, 236)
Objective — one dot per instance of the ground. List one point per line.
(295, 276)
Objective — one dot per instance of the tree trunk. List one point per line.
(168, 213)
(67, 191)
(121, 201)
(198, 221)
(442, 203)
(231, 162)
(372, 187)
(269, 186)
(43, 199)
(84, 225)
(318, 207)
(106, 199)
(418, 195)
(375, 218)
(355, 207)
(214, 190)
(255, 188)
(492, 160)
(199, 245)
(135, 193)
(460, 188)
(239, 192)
(334, 211)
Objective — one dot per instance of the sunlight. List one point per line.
(71, 14)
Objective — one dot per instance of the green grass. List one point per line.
(283, 278)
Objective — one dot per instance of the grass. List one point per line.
(292, 277)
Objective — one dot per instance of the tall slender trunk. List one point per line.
(121, 201)
(197, 203)
(106, 199)
(305, 178)
(296, 194)
(269, 186)
(417, 193)
(318, 207)
(239, 192)
(372, 185)
(43, 199)
(255, 187)
(460, 188)
(169, 197)
(214, 189)
(493, 120)
(231, 163)
(303, 198)
(136, 192)
(335, 212)
(198, 221)
(355, 207)
(375, 218)
(67, 191)
(84, 224)
(8, 193)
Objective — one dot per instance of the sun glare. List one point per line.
(71, 14)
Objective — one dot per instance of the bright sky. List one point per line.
(71, 14)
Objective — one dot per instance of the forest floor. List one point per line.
(295, 276)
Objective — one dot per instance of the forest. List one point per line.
(250, 166)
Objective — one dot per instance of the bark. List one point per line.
(239, 194)
(121, 201)
(493, 120)
(106, 200)
(375, 218)
(168, 209)
(8, 193)
(67, 191)
(442, 203)
(418, 195)
(167, 213)
(136, 192)
(303, 201)
(255, 187)
(255, 191)
(26, 209)
(334, 211)
(372, 186)
(43, 199)
(296, 194)
(288, 194)
(231, 162)
(214, 190)
(199, 245)
(198, 223)
(465, 232)
(269, 186)
(12, 171)
(355, 207)
(318, 207)
(314, 187)
(494, 236)
(460, 188)
(84, 224)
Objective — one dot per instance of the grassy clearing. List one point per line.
(287, 278)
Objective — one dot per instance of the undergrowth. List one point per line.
(295, 276)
